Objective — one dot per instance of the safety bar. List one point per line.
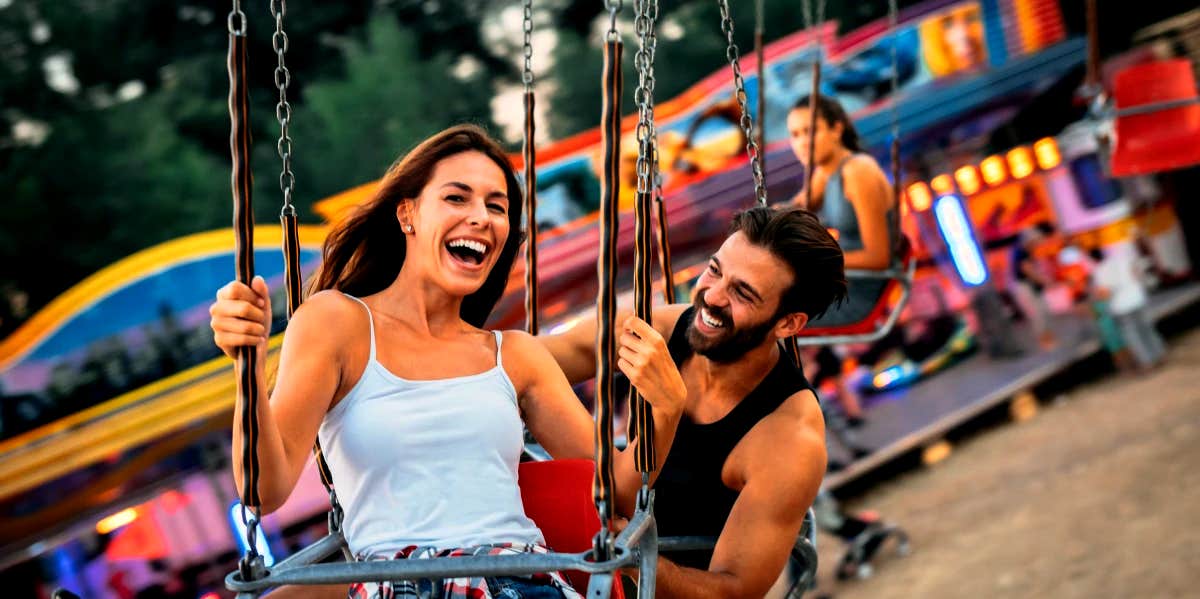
(904, 276)
(632, 545)
(1154, 107)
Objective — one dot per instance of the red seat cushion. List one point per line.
(1160, 140)
(558, 498)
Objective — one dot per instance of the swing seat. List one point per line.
(1158, 118)
(886, 312)
(557, 495)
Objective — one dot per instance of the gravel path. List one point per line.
(1097, 496)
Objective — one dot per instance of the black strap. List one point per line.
(531, 281)
(606, 303)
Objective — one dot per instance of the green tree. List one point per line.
(71, 208)
(115, 133)
(389, 99)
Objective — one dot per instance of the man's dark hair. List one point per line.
(798, 238)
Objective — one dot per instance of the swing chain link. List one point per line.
(747, 121)
(283, 110)
(893, 17)
(807, 12)
(603, 542)
(252, 566)
(527, 26)
(251, 523)
(237, 19)
(647, 137)
(614, 8)
(336, 515)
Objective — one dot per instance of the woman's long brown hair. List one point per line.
(363, 254)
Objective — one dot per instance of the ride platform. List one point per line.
(904, 421)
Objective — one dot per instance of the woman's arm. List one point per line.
(868, 191)
(306, 382)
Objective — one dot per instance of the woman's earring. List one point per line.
(408, 228)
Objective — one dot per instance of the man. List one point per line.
(749, 453)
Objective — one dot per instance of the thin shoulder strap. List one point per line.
(499, 342)
(370, 322)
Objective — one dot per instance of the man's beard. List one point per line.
(733, 343)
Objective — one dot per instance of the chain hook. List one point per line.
(614, 7)
(237, 19)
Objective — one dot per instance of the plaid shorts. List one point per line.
(477, 587)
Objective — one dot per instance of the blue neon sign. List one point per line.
(956, 230)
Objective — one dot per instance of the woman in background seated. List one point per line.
(853, 197)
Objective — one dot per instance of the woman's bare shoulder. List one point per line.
(327, 304)
(862, 164)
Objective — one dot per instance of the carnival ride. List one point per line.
(68, 457)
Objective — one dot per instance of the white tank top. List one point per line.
(431, 463)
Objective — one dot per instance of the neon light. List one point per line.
(919, 197)
(960, 240)
(1046, 150)
(115, 521)
(565, 325)
(942, 184)
(1020, 162)
(993, 170)
(889, 375)
(239, 533)
(968, 179)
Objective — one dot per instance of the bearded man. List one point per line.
(749, 454)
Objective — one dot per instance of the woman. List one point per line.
(420, 411)
(853, 198)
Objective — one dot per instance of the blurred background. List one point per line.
(1012, 441)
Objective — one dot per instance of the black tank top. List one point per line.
(689, 497)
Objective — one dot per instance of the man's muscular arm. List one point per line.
(782, 461)
(575, 348)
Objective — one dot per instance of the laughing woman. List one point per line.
(419, 410)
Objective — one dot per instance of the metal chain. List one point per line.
(527, 26)
(893, 18)
(807, 12)
(646, 12)
(747, 121)
(613, 7)
(283, 110)
(237, 19)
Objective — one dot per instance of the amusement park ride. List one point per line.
(943, 70)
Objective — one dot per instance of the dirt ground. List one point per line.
(1096, 496)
